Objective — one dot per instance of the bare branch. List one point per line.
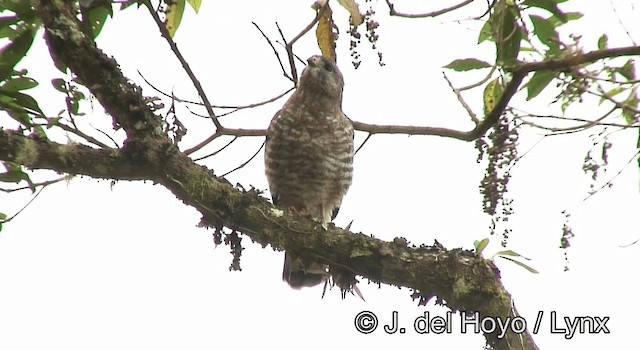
(43, 184)
(77, 132)
(284, 72)
(257, 104)
(574, 60)
(461, 100)
(218, 151)
(610, 182)
(185, 65)
(393, 12)
(289, 44)
(245, 163)
(363, 143)
(232, 132)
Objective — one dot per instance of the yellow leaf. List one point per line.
(325, 35)
(491, 96)
(174, 16)
(356, 18)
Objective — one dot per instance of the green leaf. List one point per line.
(545, 30)
(529, 268)
(3, 216)
(6, 26)
(538, 82)
(59, 84)
(20, 83)
(15, 174)
(17, 101)
(611, 93)
(603, 41)
(480, 245)
(549, 5)
(631, 102)
(22, 8)
(467, 64)
(11, 54)
(195, 4)
(509, 34)
(491, 95)
(486, 33)
(510, 252)
(175, 16)
(628, 70)
(98, 17)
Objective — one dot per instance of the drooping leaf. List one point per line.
(17, 101)
(356, 18)
(492, 93)
(520, 263)
(508, 31)
(538, 82)
(466, 64)
(324, 34)
(11, 54)
(174, 16)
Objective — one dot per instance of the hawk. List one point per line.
(309, 157)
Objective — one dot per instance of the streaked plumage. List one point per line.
(309, 156)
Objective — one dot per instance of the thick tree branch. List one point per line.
(122, 99)
(463, 279)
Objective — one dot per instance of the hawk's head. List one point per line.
(322, 76)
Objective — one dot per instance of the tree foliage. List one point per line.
(534, 56)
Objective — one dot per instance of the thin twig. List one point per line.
(284, 72)
(289, 44)
(43, 184)
(25, 206)
(81, 134)
(608, 183)
(245, 163)
(218, 151)
(393, 12)
(363, 142)
(185, 65)
(480, 82)
(230, 132)
(255, 104)
(462, 101)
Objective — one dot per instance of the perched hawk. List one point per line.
(309, 157)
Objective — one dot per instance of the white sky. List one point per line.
(91, 265)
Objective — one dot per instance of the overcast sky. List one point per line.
(95, 265)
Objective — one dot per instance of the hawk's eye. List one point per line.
(328, 67)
